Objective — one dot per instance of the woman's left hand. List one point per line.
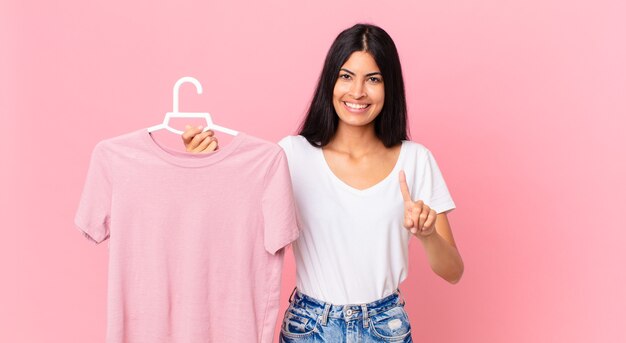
(419, 218)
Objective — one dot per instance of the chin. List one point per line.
(356, 122)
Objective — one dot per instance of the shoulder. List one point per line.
(290, 141)
(295, 144)
(263, 153)
(418, 156)
(118, 143)
(259, 144)
(415, 150)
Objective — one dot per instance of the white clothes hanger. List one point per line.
(176, 114)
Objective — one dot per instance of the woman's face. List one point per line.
(359, 92)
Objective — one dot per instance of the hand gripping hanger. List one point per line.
(176, 114)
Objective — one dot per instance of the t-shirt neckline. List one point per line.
(371, 189)
(188, 159)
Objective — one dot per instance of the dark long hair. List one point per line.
(320, 123)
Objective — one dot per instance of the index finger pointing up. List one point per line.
(404, 188)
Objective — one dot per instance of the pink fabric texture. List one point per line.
(194, 240)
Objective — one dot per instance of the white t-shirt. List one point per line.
(353, 247)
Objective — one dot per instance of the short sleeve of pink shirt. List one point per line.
(195, 240)
(277, 211)
(94, 208)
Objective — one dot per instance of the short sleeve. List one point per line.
(287, 145)
(432, 187)
(278, 206)
(94, 208)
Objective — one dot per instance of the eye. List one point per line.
(345, 76)
(375, 79)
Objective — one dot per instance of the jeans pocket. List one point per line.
(392, 325)
(298, 322)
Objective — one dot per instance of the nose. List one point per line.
(357, 90)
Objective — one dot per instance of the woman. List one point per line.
(349, 168)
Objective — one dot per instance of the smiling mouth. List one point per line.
(355, 107)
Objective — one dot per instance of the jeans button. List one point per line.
(349, 313)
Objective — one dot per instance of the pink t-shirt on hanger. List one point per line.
(195, 240)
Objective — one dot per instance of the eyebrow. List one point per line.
(353, 74)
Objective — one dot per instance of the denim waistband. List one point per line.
(351, 311)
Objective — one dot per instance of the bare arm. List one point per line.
(443, 256)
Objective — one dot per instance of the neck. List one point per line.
(355, 139)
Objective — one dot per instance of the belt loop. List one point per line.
(400, 296)
(365, 317)
(325, 314)
(291, 296)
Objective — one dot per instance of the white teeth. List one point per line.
(356, 106)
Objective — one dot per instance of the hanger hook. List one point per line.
(177, 87)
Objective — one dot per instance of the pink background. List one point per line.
(522, 103)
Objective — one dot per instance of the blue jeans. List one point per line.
(311, 320)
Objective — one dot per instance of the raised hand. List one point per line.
(419, 218)
(197, 141)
